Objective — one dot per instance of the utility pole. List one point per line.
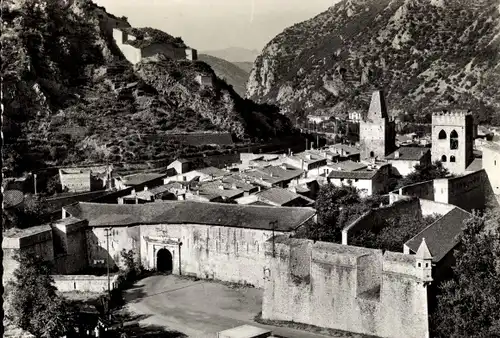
(34, 182)
(108, 230)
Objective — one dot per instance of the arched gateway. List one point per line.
(164, 261)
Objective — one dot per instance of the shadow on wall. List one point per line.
(98, 256)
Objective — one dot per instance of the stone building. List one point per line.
(405, 159)
(208, 240)
(347, 288)
(491, 164)
(453, 139)
(377, 134)
(85, 179)
(134, 48)
(368, 181)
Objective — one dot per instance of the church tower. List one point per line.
(453, 139)
(377, 134)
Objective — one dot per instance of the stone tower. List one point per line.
(377, 134)
(453, 139)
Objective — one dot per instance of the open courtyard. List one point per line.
(200, 308)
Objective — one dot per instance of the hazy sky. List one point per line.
(217, 24)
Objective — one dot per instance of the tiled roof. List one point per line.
(191, 212)
(212, 189)
(274, 174)
(142, 178)
(492, 146)
(378, 107)
(216, 172)
(441, 236)
(308, 157)
(408, 154)
(279, 196)
(360, 174)
(476, 164)
(346, 148)
(238, 182)
(347, 166)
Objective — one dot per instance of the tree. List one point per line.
(34, 305)
(425, 172)
(468, 304)
(338, 207)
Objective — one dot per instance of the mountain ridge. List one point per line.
(423, 53)
(71, 97)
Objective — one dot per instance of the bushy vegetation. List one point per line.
(337, 207)
(32, 302)
(424, 172)
(467, 305)
(391, 233)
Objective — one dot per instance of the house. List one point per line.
(214, 191)
(283, 198)
(170, 191)
(491, 163)
(346, 151)
(180, 166)
(369, 181)
(141, 180)
(273, 176)
(307, 160)
(355, 116)
(405, 159)
(85, 178)
(203, 174)
(317, 119)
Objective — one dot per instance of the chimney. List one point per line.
(221, 187)
(132, 192)
(397, 154)
(145, 188)
(234, 186)
(308, 156)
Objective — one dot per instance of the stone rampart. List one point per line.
(84, 283)
(345, 288)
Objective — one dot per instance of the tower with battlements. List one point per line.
(377, 134)
(453, 139)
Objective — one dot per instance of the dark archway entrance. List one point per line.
(164, 261)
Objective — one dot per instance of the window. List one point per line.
(419, 265)
(454, 140)
(452, 158)
(426, 265)
(442, 135)
(372, 154)
(443, 158)
(495, 162)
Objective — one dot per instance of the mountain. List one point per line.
(424, 53)
(232, 73)
(71, 97)
(234, 54)
(246, 66)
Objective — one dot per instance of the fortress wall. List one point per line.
(469, 191)
(371, 219)
(423, 190)
(391, 304)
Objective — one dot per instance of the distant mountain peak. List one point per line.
(420, 52)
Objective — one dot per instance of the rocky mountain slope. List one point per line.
(423, 53)
(233, 74)
(70, 97)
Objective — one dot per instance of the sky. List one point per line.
(218, 24)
